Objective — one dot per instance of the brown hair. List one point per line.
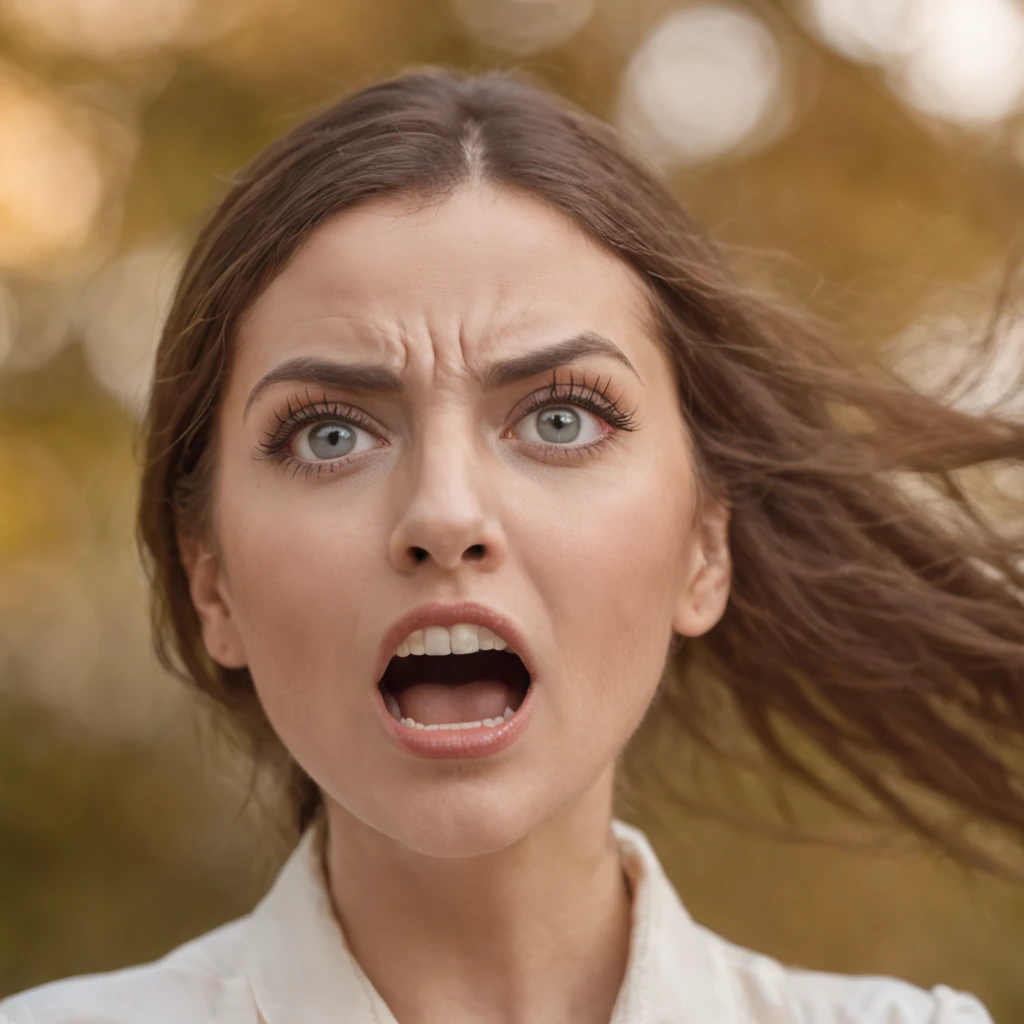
(888, 636)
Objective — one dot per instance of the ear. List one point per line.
(708, 574)
(208, 590)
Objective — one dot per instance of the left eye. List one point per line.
(328, 440)
(558, 424)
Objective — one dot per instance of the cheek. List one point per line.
(299, 573)
(611, 567)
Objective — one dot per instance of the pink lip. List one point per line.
(439, 614)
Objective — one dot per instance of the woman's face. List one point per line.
(580, 532)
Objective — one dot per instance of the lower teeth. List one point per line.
(489, 722)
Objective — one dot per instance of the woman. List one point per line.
(460, 429)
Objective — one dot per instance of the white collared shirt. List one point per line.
(287, 962)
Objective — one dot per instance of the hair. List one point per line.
(882, 630)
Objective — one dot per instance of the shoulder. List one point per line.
(201, 980)
(770, 992)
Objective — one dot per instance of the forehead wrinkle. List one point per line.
(441, 353)
(486, 309)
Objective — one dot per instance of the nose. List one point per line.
(448, 512)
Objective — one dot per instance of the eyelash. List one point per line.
(592, 397)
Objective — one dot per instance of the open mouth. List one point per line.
(455, 691)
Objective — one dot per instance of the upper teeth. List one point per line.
(461, 639)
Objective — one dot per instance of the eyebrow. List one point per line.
(370, 377)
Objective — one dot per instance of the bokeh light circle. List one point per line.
(100, 28)
(968, 62)
(703, 81)
(523, 26)
(51, 175)
(121, 315)
(864, 30)
(955, 60)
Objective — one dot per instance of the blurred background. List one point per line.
(864, 157)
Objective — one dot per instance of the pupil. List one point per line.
(331, 441)
(564, 424)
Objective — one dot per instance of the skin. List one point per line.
(489, 889)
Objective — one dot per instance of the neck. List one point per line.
(539, 930)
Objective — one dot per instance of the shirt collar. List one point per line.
(300, 966)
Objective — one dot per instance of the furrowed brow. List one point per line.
(327, 374)
(533, 363)
(368, 377)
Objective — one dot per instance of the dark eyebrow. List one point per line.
(368, 377)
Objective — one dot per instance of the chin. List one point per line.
(467, 826)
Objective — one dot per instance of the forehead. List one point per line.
(486, 269)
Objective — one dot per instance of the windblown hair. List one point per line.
(885, 630)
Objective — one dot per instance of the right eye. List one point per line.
(329, 439)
